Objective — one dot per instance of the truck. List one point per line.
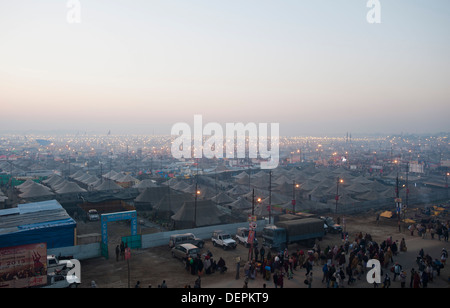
(242, 237)
(301, 231)
(221, 238)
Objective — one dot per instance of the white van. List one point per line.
(187, 238)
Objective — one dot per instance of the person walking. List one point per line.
(117, 253)
(416, 280)
(262, 252)
(397, 270)
(310, 280)
(402, 279)
(256, 253)
(238, 266)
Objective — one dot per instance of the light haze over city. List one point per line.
(139, 67)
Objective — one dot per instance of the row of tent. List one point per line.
(317, 188)
(57, 185)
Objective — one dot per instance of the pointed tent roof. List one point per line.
(110, 174)
(180, 186)
(377, 186)
(77, 174)
(33, 186)
(259, 193)
(276, 199)
(318, 192)
(222, 198)
(108, 185)
(36, 191)
(242, 180)
(260, 182)
(369, 196)
(206, 192)
(172, 203)
(90, 180)
(285, 188)
(70, 187)
(59, 184)
(320, 176)
(238, 190)
(308, 186)
(25, 185)
(145, 184)
(240, 204)
(206, 211)
(51, 179)
(118, 177)
(343, 200)
(241, 175)
(358, 188)
(260, 174)
(152, 194)
(127, 179)
(362, 180)
(283, 179)
(82, 178)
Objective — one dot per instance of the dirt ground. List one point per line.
(152, 266)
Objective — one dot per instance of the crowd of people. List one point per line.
(339, 265)
(343, 265)
(432, 229)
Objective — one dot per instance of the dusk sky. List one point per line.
(316, 67)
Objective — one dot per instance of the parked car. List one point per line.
(221, 238)
(93, 215)
(183, 251)
(187, 238)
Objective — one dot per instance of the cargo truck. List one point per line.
(301, 231)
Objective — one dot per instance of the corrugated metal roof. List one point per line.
(32, 216)
(49, 205)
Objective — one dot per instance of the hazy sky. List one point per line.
(314, 66)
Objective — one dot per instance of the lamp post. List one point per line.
(338, 181)
(447, 174)
(294, 201)
(197, 193)
(251, 221)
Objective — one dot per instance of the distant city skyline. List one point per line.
(138, 67)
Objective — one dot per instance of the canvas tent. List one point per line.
(207, 214)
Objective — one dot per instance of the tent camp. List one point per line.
(207, 214)
(150, 197)
(222, 199)
(170, 204)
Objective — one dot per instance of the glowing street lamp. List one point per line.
(338, 181)
(294, 201)
(197, 193)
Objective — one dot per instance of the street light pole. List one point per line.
(446, 181)
(337, 193)
(294, 201)
(253, 202)
(270, 196)
(197, 192)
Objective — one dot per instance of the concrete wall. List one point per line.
(162, 238)
(89, 251)
(80, 252)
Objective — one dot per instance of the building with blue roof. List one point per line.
(40, 222)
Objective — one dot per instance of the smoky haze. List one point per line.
(314, 67)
